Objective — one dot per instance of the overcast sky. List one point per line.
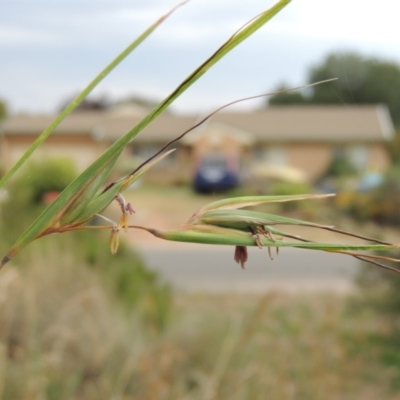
(50, 49)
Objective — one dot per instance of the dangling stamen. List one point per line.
(126, 209)
(241, 255)
(114, 240)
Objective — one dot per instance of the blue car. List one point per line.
(216, 173)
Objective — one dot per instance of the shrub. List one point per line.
(355, 204)
(340, 167)
(289, 189)
(385, 200)
(381, 204)
(41, 177)
(25, 199)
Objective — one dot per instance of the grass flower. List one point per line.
(224, 222)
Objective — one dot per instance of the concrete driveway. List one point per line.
(212, 268)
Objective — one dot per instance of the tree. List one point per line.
(352, 72)
(287, 98)
(89, 104)
(361, 80)
(3, 109)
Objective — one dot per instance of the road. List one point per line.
(212, 268)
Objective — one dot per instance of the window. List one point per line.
(358, 156)
(275, 155)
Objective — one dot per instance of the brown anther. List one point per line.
(241, 255)
(114, 240)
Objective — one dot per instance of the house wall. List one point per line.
(181, 165)
(82, 149)
(378, 158)
(176, 168)
(315, 158)
(312, 158)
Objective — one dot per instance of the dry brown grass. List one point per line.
(64, 336)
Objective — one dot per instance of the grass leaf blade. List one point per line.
(70, 194)
(85, 92)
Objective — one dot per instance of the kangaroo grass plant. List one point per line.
(223, 222)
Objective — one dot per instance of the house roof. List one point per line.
(289, 123)
(219, 132)
(315, 123)
(164, 128)
(76, 123)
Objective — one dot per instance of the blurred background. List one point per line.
(163, 320)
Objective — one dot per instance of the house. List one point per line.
(78, 138)
(308, 138)
(302, 138)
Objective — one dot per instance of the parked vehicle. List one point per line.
(216, 173)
